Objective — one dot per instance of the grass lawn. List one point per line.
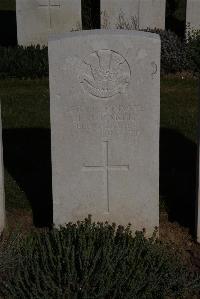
(25, 104)
(25, 107)
(179, 106)
(7, 4)
(26, 123)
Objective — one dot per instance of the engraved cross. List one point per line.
(106, 168)
(50, 5)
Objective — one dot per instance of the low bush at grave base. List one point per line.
(9, 245)
(87, 260)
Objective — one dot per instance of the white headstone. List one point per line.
(152, 14)
(105, 103)
(111, 10)
(193, 14)
(36, 19)
(2, 200)
(145, 13)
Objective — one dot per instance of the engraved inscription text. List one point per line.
(109, 120)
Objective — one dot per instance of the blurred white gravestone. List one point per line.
(111, 10)
(141, 14)
(37, 18)
(152, 14)
(2, 200)
(105, 104)
(193, 14)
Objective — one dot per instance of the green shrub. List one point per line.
(87, 260)
(29, 62)
(174, 55)
(193, 39)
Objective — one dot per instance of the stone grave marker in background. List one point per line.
(105, 104)
(152, 14)
(37, 18)
(193, 14)
(112, 9)
(2, 199)
(142, 13)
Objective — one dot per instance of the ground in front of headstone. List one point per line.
(182, 240)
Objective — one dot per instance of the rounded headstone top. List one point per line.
(98, 32)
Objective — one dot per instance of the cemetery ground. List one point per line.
(26, 141)
(7, 5)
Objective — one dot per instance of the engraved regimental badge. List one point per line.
(104, 74)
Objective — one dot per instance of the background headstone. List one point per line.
(152, 14)
(37, 18)
(2, 199)
(193, 14)
(146, 13)
(112, 9)
(105, 103)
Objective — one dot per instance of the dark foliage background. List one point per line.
(23, 63)
(8, 28)
(176, 16)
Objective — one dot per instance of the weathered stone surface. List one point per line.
(2, 200)
(36, 19)
(193, 14)
(143, 13)
(105, 103)
(152, 14)
(112, 9)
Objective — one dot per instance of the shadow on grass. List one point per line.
(91, 14)
(8, 28)
(176, 16)
(178, 161)
(27, 157)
